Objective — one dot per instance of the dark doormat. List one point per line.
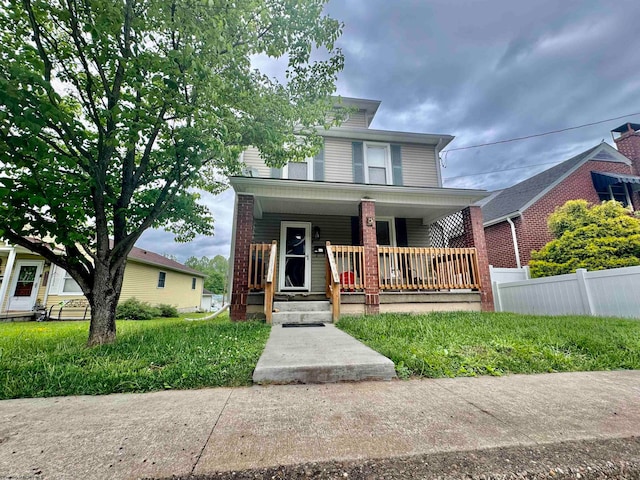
(296, 325)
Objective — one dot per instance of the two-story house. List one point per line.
(365, 222)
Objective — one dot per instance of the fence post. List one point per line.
(497, 302)
(584, 291)
(527, 272)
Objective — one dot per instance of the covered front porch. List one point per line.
(368, 248)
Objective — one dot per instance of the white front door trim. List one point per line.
(25, 304)
(283, 255)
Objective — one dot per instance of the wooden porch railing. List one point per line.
(350, 265)
(270, 282)
(333, 283)
(258, 262)
(413, 268)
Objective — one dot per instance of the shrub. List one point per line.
(134, 309)
(168, 311)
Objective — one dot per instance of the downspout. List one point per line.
(439, 162)
(515, 242)
(8, 272)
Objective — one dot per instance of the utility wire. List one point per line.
(541, 134)
(503, 170)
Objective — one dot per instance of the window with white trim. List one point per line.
(377, 164)
(162, 278)
(618, 192)
(298, 170)
(69, 285)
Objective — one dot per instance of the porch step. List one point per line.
(301, 317)
(312, 306)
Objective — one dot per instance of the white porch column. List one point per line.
(8, 271)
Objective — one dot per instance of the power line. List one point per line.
(502, 170)
(540, 134)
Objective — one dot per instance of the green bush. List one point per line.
(134, 309)
(168, 311)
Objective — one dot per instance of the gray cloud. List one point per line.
(483, 71)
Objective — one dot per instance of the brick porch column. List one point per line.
(367, 219)
(474, 237)
(243, 236)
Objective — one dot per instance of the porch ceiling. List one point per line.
(325, 198)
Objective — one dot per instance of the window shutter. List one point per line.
(358, 162)
(55, 280)
(318, 166)
(276, 173)
(355, 230)
(396, 164)
(402, 239)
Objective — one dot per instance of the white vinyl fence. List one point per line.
(607, 293)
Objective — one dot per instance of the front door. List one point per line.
(25, 284)
(295, 265)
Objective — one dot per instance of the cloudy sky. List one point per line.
(483, 71)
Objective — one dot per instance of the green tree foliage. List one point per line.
(112, 114)
(592, 237)
(215, 268)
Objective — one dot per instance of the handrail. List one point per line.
(257, 265)
(269, 288)
(333, 283)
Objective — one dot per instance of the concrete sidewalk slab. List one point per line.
(103, 437)
(206, 431)
(321, 354)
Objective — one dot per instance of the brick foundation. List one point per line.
(474, 237)
(368, 238)
(243, 238)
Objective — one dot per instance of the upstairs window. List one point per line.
(299, 170)
(162, 277)
(377, 164)
(193, 283)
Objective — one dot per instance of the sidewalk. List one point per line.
(202, 431)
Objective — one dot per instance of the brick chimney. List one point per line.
(628, 143)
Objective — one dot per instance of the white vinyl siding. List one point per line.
(419, 167)
(337, 160)
(356, 120)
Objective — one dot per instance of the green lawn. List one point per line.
(467, 344)
(50, 358)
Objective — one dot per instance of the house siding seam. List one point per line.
(243, 236)
(368, 238)
(531, 229)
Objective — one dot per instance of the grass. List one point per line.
(50, 358)
(468, 344)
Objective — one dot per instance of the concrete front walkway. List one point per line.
(203, 431)
(318, 354)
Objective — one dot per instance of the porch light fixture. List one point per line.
(316, 233)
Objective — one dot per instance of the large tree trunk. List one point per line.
(103, 299)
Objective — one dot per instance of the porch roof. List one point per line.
(332, 198)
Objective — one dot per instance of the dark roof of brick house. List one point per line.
(514, 199)
(145, 256)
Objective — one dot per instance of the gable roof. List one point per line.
(152, 258)
(514, 200)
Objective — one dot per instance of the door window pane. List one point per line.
(298, 171)
(294, 272)
(383, 233)
(26, 278)
(295, 241)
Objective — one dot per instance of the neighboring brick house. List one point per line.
(400, 240)
(515, 219)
